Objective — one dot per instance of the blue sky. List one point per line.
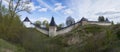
(45, 9)
(61, 9)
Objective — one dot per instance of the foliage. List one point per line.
(11, 28)
(7, 47)
(93, 29)
(116, 29)
(70, 21)
(101, 19)
(42, 24)
(60, 26)
(89, 38)
(45, 24)
(35, 41)
(112, 23)
(38, 23)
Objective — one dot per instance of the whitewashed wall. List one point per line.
(28, 25)
(68, 29)
(42, 30)
(100, 23)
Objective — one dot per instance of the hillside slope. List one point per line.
(92, 38)
(8, 47)
(89, 38)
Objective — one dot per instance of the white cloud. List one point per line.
(37, 7)
(5, 3)
(43, 9)
(32, 6)
(108, 12)
(59, 6)
(43, 18)
(45, 4)
(39, 19)
(89, 8)
(68, 11)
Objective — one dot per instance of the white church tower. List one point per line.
(52, 28)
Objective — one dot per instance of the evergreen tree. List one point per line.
(38, 23)
(101, 19)
(45, 24)
(70, 21)
(60, 25)
(112, 23)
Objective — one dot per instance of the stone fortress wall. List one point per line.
(53, 29)
(59, 32)
(42, 30)
(100, 23)
(67, 29)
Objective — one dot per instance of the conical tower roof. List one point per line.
(26, 20)
(107, 20)
(52, 23)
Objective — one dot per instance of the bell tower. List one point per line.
(52, 28)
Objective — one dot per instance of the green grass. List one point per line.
(8, 47)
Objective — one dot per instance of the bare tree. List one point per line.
(16, 6)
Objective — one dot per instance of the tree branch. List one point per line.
(17, 5)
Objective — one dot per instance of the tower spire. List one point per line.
(107, 20)
(52, 23)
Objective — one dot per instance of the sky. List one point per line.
(61, 9)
